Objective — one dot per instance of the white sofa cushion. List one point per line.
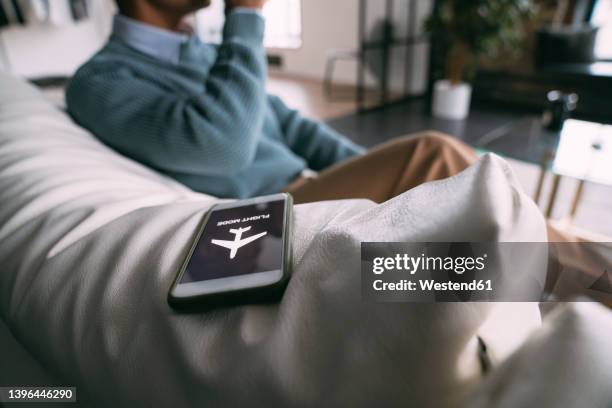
(567, 363)
(90, 242)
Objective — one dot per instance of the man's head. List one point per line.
(132, 8)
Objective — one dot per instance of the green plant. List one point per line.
(462, 31)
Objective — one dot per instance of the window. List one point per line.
(283, 23)
(602, 18)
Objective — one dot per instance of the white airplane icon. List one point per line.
(238, 241)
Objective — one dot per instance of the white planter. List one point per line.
(451, 101)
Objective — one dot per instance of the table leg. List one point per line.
(538, 191)
(577, 198)
(546, 157)
(553, 195)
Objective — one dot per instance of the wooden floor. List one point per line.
(308, 97)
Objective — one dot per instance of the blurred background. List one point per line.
(530, 80)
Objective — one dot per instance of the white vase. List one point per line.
(451, 101)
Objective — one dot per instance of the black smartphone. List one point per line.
(241, 254)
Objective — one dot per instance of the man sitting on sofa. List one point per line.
(200, 114)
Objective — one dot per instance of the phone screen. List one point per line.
(238, 241)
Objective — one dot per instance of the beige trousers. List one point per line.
(387, 170)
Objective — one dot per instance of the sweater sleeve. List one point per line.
(317, 143)
(214, 131)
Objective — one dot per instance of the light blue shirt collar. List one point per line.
(153, 41)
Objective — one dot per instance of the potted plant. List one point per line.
(462, 33)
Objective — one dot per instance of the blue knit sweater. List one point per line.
(204, 120)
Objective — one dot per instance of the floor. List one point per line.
(594, 216)
(307, 96)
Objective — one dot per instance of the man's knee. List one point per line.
(434, 140)
(438, 144)
(441, 139)
(428, 135)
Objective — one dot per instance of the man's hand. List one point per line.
(254, 4)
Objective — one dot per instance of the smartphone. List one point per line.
(241, 254)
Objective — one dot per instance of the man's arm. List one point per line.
(214, 132)
(317, 143)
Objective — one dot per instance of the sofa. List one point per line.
(90, 242)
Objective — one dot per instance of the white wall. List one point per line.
(328, 25)
(332, 25)
(55, 49)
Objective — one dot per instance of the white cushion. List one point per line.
(568, 363)
(91, 241)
